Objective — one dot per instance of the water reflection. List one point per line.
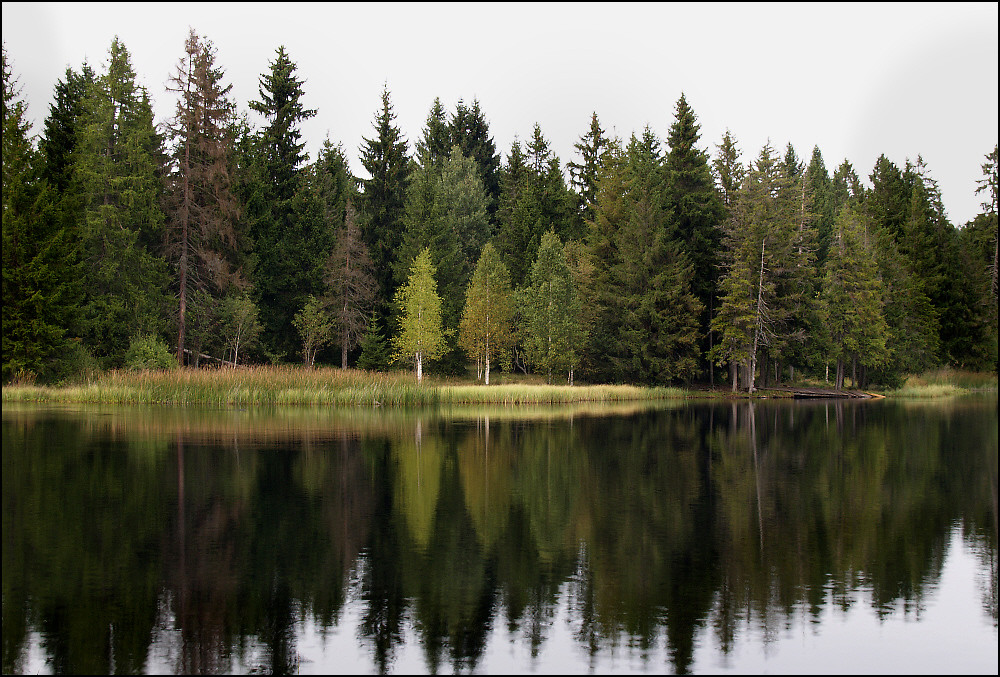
(195, 541)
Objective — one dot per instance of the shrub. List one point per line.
(148, 352)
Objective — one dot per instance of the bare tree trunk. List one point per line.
(420, 368)
(733, 374)
(758, 331)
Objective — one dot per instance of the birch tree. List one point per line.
(421, 335)
(486, 330)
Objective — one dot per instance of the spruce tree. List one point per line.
(553, 337)
(40, 292)
(202, 209)
(585, 173)
(350, 281)
(286, 233)
(435, 141)
(852, 298)
(118, 165)
(471, 133)
(695, 209)
(61, 127)
(383, 198)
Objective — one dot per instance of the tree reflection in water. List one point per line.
(202, 542)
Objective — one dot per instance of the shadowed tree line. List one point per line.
(215, 237)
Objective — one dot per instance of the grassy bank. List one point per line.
(283, 385)
(945, 383)
(292, 385)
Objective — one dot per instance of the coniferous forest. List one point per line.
(206, 241)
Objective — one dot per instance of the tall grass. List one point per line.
(284, 385)
(945, 382)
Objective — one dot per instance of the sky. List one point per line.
(856, 80)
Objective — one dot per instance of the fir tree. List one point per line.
(39, 272)
(852, 298)
(351, 283)
(375, 355)
(286, 233)
(695, 209)
(119, 168)
(471, 133)
(584, 175)
(553, 335)
(383, 198)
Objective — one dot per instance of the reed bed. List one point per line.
(945, 383)
(284, 385)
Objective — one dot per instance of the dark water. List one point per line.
(777, 537)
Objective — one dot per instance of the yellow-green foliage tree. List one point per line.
(421, 335)
(486, 330)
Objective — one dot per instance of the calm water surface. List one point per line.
(775, 537)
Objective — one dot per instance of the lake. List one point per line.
(779, 536)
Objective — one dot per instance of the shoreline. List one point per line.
(329, 386)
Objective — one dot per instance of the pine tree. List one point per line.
(350, 279)
(584, 175)
(553, 337)
(203, 212)
(435, 142)
(852, 298)
(695, 210)
(421, 335)
(62, 126)
(471, 133)
(39, 258)
(486, 330)
(383, 198)
(118, 165)
(375, 355)
(286, 233)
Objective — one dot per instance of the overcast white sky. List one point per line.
(857, 80)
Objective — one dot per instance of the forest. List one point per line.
(204, 241)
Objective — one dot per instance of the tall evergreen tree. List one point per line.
(553, 332)
(435, 141)
(695, 210)
(471, 133)
(286, 237)
(383, 198)
(729, 171)
(119, 166)
(852, 298)
(39, 257)
(519, 217)
(350, 279)
(203, 212)
(760, 251)
(583, 175)
(818, 187)
(62, 126)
